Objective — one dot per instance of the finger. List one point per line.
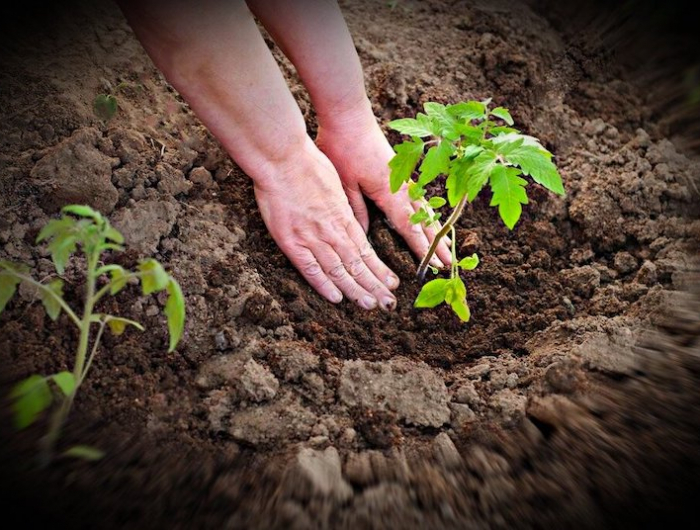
(309, 267)
(414, 235)
(376, 265)
(359, 208)
(333, 267)
(357, 267)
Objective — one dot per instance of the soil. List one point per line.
(568, 401)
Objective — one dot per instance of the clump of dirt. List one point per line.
(566, 400)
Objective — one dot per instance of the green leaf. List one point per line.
(105, 106)
(433, 293)
(61, 246)
(461, 309)
(404, 163)
(471, 152)
(437, 202)
(418, 217)
(8, 286)
(175, 312)
(445, 121)
(51, 304)
(436, 162)
(478, 173)
(457, 178)
(537, 164)
(56, 226)
(30, 398)
(117, 325)
(82, 210)
(154, 277)
(456, 297)
(468, 111)
(114, 235)
(469, 263)
(65, 381)
(415, 192)
(508, 194)
(84, 452)
(503, 114)
(118, 279)
(421, 126)
(19, 268)
(502, 130)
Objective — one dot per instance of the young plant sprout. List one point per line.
(465, 143)
(81, 226)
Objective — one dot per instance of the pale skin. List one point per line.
(310, 194)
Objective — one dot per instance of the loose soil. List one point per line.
(569, 400)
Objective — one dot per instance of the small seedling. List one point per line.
(105, 106)
(466, 144)
(81, 226)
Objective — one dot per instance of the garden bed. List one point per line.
(569, 400)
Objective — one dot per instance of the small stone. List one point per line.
(462, 415)
(471, 243)
(479, 371)
(318, 474)
(583, 280)
(445, 451)
(512, 380)
(202, 178)
(221, 341)
(466, 393)
(568, 304)
(349, 436)
(646, 274)
(624, 262)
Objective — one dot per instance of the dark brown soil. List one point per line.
(568, 401)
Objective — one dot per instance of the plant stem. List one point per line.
(454, 272)
(451, 220)
(59, 416)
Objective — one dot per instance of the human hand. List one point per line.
(308, 215)
(361, 153)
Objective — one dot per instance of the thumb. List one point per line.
(359, 208)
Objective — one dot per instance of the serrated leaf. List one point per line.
(105, 106)
(61, 246)
(404, 163)
(65, 381)
(536, 163)
(436, 162)
(468, 110)
(443, 119)
(8, 286)
(85, 452)
(420, 126)
(437, 202)
(433, 293)
(456, 183)
(478, 173)
(82, 210)
(154, 277)
(418, 217)
(49, 301)
(117, 325)
(503, 114)
(502, 130)
(114, 235)
(508, 194)
(56, 226)
(415, 192)
(118, 279)
(471, 152)
(30, 398)
(469, 263)
(175, 313)
(456, 298)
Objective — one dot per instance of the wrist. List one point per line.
(351, 114)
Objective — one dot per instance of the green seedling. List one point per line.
(473, 146)
(105, 106)
(81, 226)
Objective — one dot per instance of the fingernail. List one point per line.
(389, 303)
(336, 297)
(369, 302)
(392, 281)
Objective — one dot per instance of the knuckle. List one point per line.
(357, 268)
(337, 272)
(311, 268)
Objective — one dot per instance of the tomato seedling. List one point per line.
(465, 143)
(81, 226)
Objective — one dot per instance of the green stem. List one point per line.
(451, 220)
(59, 417)
(454, 272)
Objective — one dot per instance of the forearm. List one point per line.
(314, 36)
(214, 56)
